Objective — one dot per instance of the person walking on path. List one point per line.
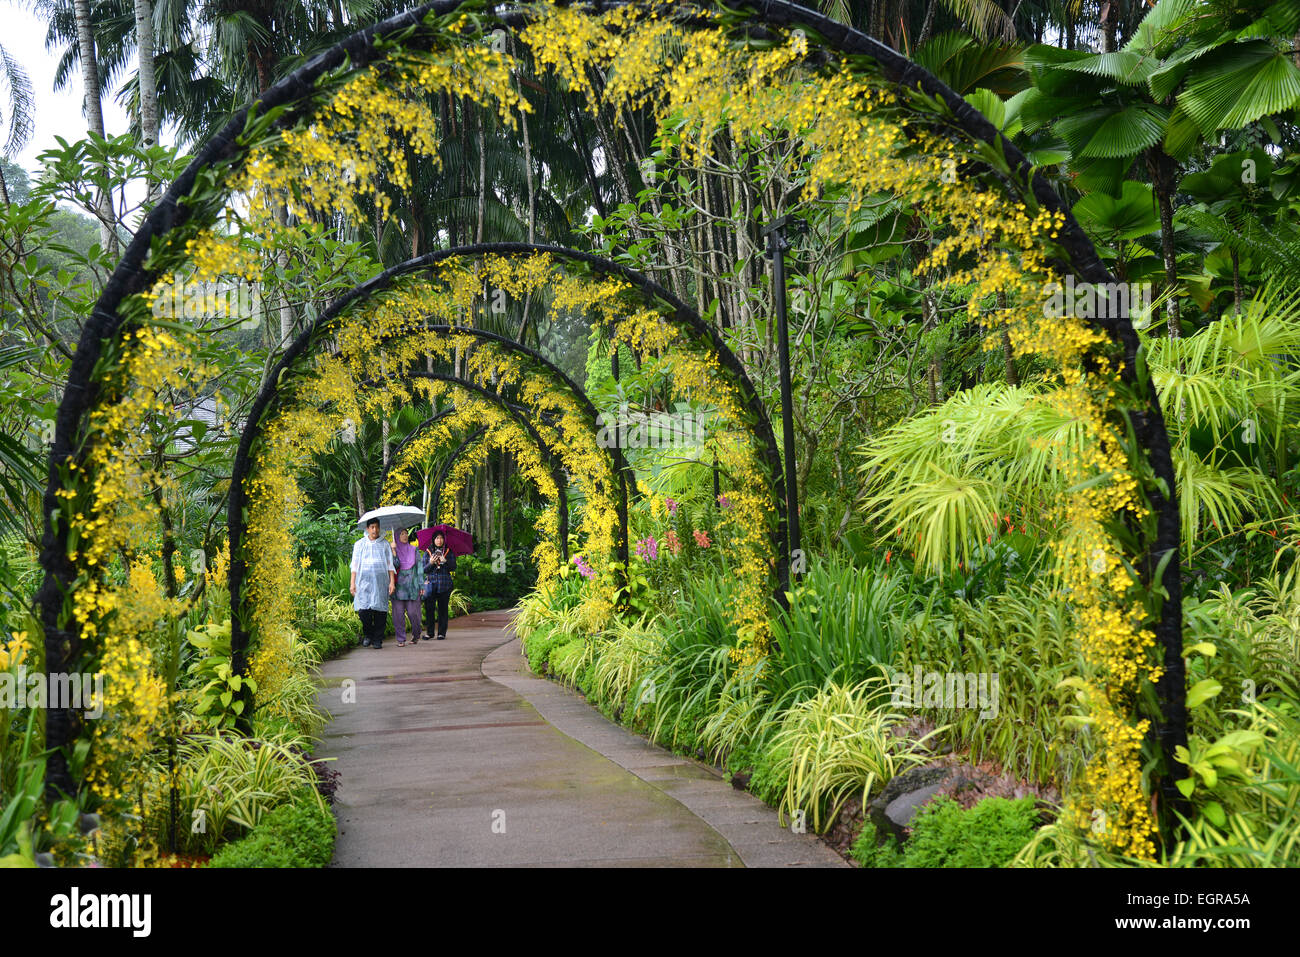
(438, 566)
(406, 594)
(373, 581)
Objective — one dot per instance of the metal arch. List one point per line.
(270, 392)
(680, 311)
(445, 467)
(561, 489)
(401, 446)
(621, 469)
(413, 434)
(294, 93)
(515, 412)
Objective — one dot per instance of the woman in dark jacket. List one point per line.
(439, 563)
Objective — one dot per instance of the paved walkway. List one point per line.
(454, 755)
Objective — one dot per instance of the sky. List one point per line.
(57, 114)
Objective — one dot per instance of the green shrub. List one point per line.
(869, 851)
(988, 835)
(622, 661)
(771, 774)
(293, 835)
(330, 638)
(1250, 815)
(569, 659)
(226, 786)
(838, 743)
(1026, 638)
(540, 644)
(324, 538)
(843, 624)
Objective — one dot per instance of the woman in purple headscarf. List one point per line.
(406, 595)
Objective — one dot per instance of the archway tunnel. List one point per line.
(837, 129)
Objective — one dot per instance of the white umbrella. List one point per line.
(393, 516)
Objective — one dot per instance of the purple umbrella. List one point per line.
(460, 543)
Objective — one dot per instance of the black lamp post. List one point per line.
(776, 247)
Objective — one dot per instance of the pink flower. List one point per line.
(671, 540)
(648, 548)
(701, 539)
(671, 506)
(585, 570)
(724, 502)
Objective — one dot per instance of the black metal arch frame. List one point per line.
(295, 96)
(519, 415)
(547, 452)
(271, 393)
(621, 470)
(451, 460)
(393, 456)
(561, 489)
(672, 309)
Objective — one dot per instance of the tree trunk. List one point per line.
(928, 25)
(148, 87)
(528, 171)
(1164, 173)
(482, 174)
(94, 116)
(507, 499)
(1008, 353)
(1236, 282)
(1109, 24)
(285, 309)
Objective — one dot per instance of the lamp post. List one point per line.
(776, 247)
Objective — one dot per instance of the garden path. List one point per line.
(453, 754)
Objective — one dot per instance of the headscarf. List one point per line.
(405, 555)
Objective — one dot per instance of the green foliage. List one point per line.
(1245, 787)
(623, 659)
(1247, 642)
(569, 661)
(330, 638)
(869, 851)
(742, 715)
(771, 776)
(297, 834)
(485, 588)
(1024, 638)
(837, 743)
(292, 698)
(326, 538)
(26, 824)
(218, 702)
(843, 624)
(336, 582)
(225, 787)
(540, 644)
(988, 835)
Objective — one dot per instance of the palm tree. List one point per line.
(209, 57)
(148, 83)
(1191, 69)
(16, 111)
(94, 115)
(943, 478)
